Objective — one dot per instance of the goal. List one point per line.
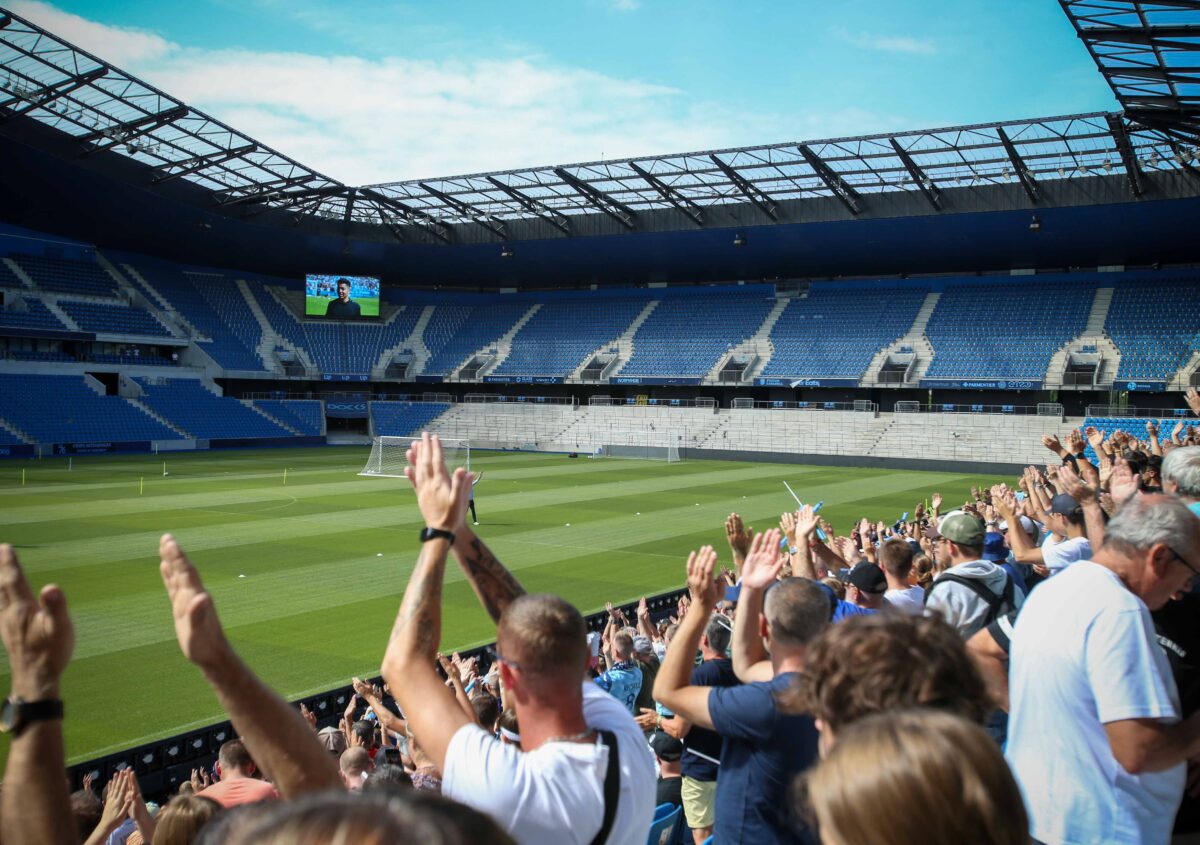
(387, 455)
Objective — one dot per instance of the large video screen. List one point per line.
(341, 297)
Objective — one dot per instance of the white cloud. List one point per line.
(888, 43)
(373, 120)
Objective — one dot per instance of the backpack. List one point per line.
(998, 605)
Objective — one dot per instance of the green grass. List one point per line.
(316, 305)
(326, 557)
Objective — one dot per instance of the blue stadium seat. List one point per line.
(687, 336)
(662, 832)
(561, 335)
(834, 332)
(1156, 325)
(189, 405)
(455, 331)
(67, 276)
(307, 416)
(35, 316)
(63, 409)
(1006, 330)
(401, 419)
(113, 319)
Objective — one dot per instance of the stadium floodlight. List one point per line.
(387, 458)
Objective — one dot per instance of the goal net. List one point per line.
(387, 455)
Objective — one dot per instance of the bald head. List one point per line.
(355, 764)
(545, 636)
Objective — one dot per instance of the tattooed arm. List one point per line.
(493, 584)
(409, 666)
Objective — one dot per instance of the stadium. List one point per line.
(201, 335)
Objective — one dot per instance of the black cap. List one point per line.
(868, 577)
(665, 746)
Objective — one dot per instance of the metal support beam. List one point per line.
(123, 133)
(196, 163)
(1023, 175)
(496, 227)
(618, 211)
(1133, 175)
(414, 216)
(693, 211)
(833, 181)
(397, 233)
(40, 97)
(279, 194)
(307, 211)
(930, 190)
(350, 197)
(554, 218)
(750, 191)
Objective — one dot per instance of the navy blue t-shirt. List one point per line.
(764, 750)
(702, 747)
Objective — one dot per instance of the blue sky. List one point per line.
(375, 91)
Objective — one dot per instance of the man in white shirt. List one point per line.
(1094, 736)
(896, 558)
(1065, 521)
(584, 773)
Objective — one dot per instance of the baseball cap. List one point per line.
(961, 527)
(1026, 523)
(333, 739)
(1065, 505)
(642, 645)
(994, 548)
(868, 577)
(666, 746)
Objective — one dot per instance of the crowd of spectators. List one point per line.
(1019, 669)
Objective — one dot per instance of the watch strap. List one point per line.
(428, 534)
(26, 713)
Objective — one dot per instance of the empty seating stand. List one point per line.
(687, 336)
(1005, 330)
(31, 315)
(561, 334)
(835, 332)
(400, 419)
(455, 331)
(189, 405)
(62, 275)
(63, 409)
(1156, 325)
(113, 319)
(307, 416)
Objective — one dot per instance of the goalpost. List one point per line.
(387, 455)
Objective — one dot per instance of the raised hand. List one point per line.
(37, 631)
(1074, 486)
(1151, 428)
(936, 501)
(704, 589)
(118, 803)
(806, 522)
(764, 561)
(787, 525)
(1124, 482)
(1095, 437)
(362, 688)
(1051, 442)
(1193, 399)
(197, 627)
(1075, 441)
(442, 496)
(738, 536)
(309, 716)
(1175, 432)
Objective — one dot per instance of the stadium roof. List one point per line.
(104, 109)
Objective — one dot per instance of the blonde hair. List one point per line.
(915, 777)
(183, 817)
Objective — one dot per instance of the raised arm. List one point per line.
(738, 536)
(388, 720)
(1023, 549)
(1086, 495)
(276, 735)
(408, 664)
(750, 659)
(494, 585)
(39, 638)
(672, 686)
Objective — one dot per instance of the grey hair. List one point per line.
(1146, 520)
(1182, 466)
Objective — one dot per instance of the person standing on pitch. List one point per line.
(476, 477)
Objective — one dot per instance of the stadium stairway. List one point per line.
(19, 272)
(10, 435)
(165, 309)
(274, 303)
(150, 412)
(275, 418)
(270, 338)
(414, 342)
(1182, 379)
(138, 299)
(758, 347)
(914, 339)
(623, 344)
(502, 345)
(1093, 335)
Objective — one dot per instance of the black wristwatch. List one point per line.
(428, 534)
(19, 714)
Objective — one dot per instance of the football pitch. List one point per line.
(307, 576)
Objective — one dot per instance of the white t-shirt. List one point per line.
(910, 601)
(555, 794)
(1083, 654)
(1058, 556)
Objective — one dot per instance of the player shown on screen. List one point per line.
(343, 306)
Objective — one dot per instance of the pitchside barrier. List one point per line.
(162, 765)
